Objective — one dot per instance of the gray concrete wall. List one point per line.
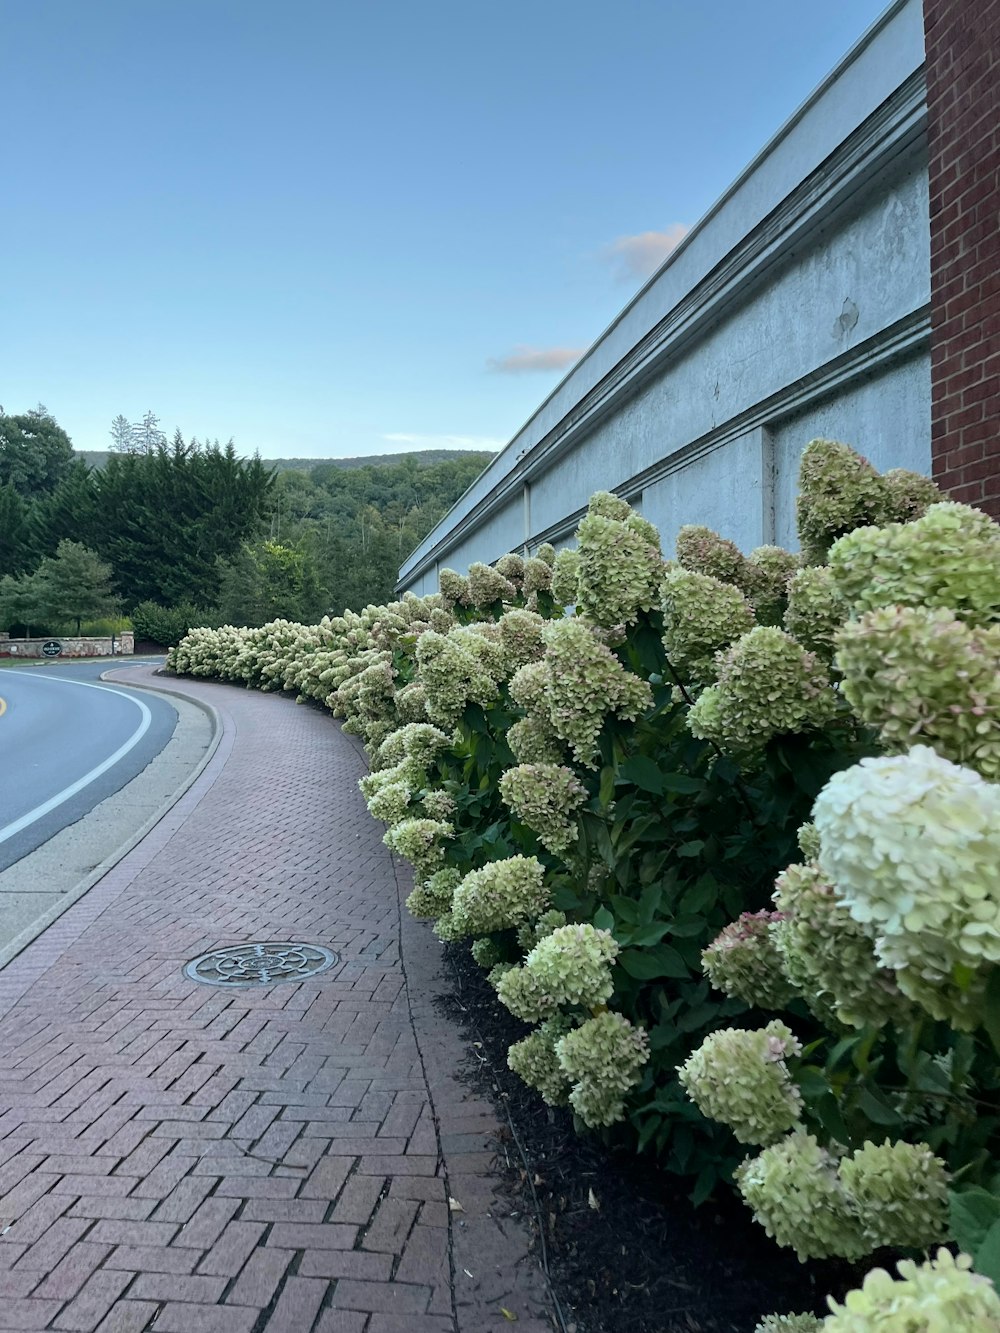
(799, 306)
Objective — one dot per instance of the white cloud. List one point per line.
(524, 360)
(408, 443)
(641, 255)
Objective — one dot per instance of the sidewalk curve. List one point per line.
(205, 1159)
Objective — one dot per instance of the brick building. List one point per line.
(963, 139)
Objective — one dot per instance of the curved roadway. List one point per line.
(67, 742)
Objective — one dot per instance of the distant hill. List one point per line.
(96, 458)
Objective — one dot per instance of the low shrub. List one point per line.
(167, 625)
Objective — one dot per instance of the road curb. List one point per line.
(20, 942)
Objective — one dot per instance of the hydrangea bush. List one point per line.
(597, 762)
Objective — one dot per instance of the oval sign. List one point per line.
(52, 648)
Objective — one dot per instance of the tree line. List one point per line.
(191, 529)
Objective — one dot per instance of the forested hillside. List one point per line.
(192, 528)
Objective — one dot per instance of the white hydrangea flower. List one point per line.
(912, 845)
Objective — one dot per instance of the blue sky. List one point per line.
(329, 228)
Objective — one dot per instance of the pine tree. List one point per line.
(121, 435)
(74, 584)
(147, 436)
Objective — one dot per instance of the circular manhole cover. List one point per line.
(260, 964)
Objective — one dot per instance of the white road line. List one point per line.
(57, 800)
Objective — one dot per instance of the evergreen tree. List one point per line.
(68, 513)
(121, 435)
(74, 584)
(147, 436)
(35, 452)
(14, 534)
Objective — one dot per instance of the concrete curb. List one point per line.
(20, 942)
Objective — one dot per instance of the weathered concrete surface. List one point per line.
(279, 1157)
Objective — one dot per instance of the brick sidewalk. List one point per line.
(201, 1160)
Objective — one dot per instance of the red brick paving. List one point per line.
(190, 1158)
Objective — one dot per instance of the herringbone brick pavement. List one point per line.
(201, 1160)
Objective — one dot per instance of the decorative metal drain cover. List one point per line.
(260, 964)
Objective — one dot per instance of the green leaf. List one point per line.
(643, 936)
(607, 786)
(643, 773)
(972, 1214)
(991, 1008)
(691, 848)
(879, 1112)
(681, 783)
(705, 1183)
(603, 919)
(830, 1118)
(986, 1258)
(647, 964)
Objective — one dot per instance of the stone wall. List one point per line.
(123, 646)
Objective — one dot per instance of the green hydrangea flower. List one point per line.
(619, 567)
(739, 1077)
(703, 551)
(767, 573)
(808, 839)
(487, 586)
(942, 1295)
(433, 897)
(914, 672)
(520, 638)
(815, 610)
(486, 952)
(390, 803)
(511, 567)
(500, 895)
(798, 1198)
(900, 1194)
(455, 669)
(768, 685)
(565, 578)
(419, 842)
(438, 804)
(531, 741)
(744, 962)
(912, 844)
(534, 1060)
(838, 492)
(419, 741)
(578, 683)
(546, 798)
(570, 966)
(411, 703)
(949, 558)
(909, 495)
(789, 1323)
(454, 589)
(530, 933)
(603, 1058)
(701, 615)
(829, 957)
(446, 930)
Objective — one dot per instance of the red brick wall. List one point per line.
(963, 93)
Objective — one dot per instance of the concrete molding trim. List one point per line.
(904, 339)
(20, 942)
(894, 134)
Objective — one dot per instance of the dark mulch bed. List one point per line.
(646, 1261)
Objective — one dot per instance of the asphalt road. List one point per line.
(67, 742)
